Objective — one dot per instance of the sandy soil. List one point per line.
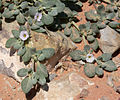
(10, 89)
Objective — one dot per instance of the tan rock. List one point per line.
(64, 88)
(109, 41)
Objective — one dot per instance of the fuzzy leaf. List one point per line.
(99, 71)
(24, 5)
(67, 31)
(76, 55)
(32, 11)
(91, 15)
(20, 19)
(42, 80)
(22, 72)
(48, 52)
(90, 38)
(87, 48)
(41, 57)
(26, 84)
(94, 45)
(89, 70)
(21, 51)
(109, 66)
(41, 70)
(26, 57)
(106, 56)
(15, 33)
(8, 14)
(10, 42)
(34, 27)
(17, 45)
(114, 24)
(47, 19)
(53, 12)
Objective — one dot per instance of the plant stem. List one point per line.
(84, 40)
(75, 25)
(33, 64)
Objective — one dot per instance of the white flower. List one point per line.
(38, 16)
(24, 35)
(90, 58)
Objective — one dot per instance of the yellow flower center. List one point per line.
(24, 35)
(89, 56)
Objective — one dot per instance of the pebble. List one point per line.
(117, 89)
(84, 93)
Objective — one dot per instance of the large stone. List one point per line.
(11, 64)
(109, 41)
(65, 88)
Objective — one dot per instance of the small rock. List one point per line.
(109, 41)
(117, 89)
(84, 93)
(104, 98)
(116, 60)
(110, 81)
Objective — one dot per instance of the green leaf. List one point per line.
(10, 42)
(91, 15)
(89, 70)
(30, 21)
(75, 36)
(53, 12)
(26, 57)
(32, 11)
(42, 80)
(40, 30)
(48, 52)
(99, 71)
(35, 27)
(21, 51)
(110, 16)
(106, 56)
(24, 5)
(76, 55)
(34, 79)
(114, 24)
(47, 19)
(20, 19)
(101, 9)
(26, 84)
(87, 48)
(67, 31)
(109, 66)
(7, 13)
(16, 12)
(90, 38)
(22, 72)
(41, 70)
(41, 57)
(11, 6)
(94, 45)
(15, 33)
(18, 44)
(60, 7)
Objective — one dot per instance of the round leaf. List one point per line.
(22, 72)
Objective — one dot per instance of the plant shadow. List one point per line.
(30, 95)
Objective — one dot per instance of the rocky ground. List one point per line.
(70, 84)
